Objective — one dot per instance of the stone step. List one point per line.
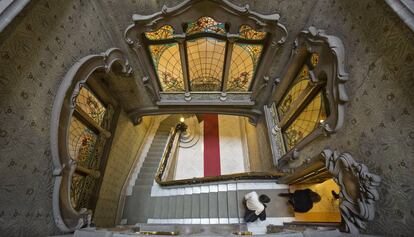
(146, 175)
(195, 205)
(148, 169)
(144, 181)
(204, 201)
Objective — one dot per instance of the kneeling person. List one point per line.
(255, 207)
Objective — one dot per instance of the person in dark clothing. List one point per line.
(302, 200)
(255, 207)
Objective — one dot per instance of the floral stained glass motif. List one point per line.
(246, 32)
(306, 122)
(90, 105)
(299, 85)
(165, 32)
(167, 62)
(82, 142)
(244, 60)
(206, 24)
(205, 63)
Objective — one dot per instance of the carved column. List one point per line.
(181, 45)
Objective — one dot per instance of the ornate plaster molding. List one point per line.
(66, 217)
(358, 186)
(404, 9)
(332, 63)
(190, 10)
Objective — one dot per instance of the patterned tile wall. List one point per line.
(36, 50)
(127, 141)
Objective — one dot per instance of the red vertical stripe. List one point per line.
(211, 145)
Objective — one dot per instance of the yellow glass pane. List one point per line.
(314, 59)
(167, 62)
(206, 24)
(205, 63)
(306, 122)
(90, 104)
(244, 60)
(246, 32)
(82, 141)
(299, 85)
(165, 32)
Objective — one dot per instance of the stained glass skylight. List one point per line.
(247, 32)
(243, 66)
(204, 56)
(306, 122)
(165, 32)
(206, 63)
(300, 83)
(82, 141)
(167, 62)
(206, 24)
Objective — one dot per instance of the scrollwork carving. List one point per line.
(357, 206)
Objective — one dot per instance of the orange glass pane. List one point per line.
(205, 24)
(205, 63)
(306, 122)
(165, 32)
(167, 62)
(243, 65)
(246, 32)
(299, 85)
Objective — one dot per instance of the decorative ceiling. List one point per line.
(206, 47)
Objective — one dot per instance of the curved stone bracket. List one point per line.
(66, 217)
(357, 205)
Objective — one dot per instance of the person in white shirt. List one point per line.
(255, 206)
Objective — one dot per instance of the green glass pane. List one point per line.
(167, 62)
(244, 60)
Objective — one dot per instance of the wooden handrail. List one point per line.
(171, 145)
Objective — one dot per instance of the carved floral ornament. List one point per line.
(66, 216)
(309, 102)
(168, 43)
(358, 189)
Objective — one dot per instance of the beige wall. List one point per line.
(125, 148)
(260, 155)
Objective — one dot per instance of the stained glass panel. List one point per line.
(167, 62)
(206, 24)
(299, 85)
(90, 105)
(306, 122)
(76, 188)
(206, 61)
(82, 142)
(246, 32)
(165, 32)
(243, 66)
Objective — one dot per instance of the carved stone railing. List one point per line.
(66, 216)
(358, 187)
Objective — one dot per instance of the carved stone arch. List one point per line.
(329, 71)
(220, 10)
(113, 60)
(358, 187)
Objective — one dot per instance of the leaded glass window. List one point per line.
(85, 144)
(204, 51)
(303, 107)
